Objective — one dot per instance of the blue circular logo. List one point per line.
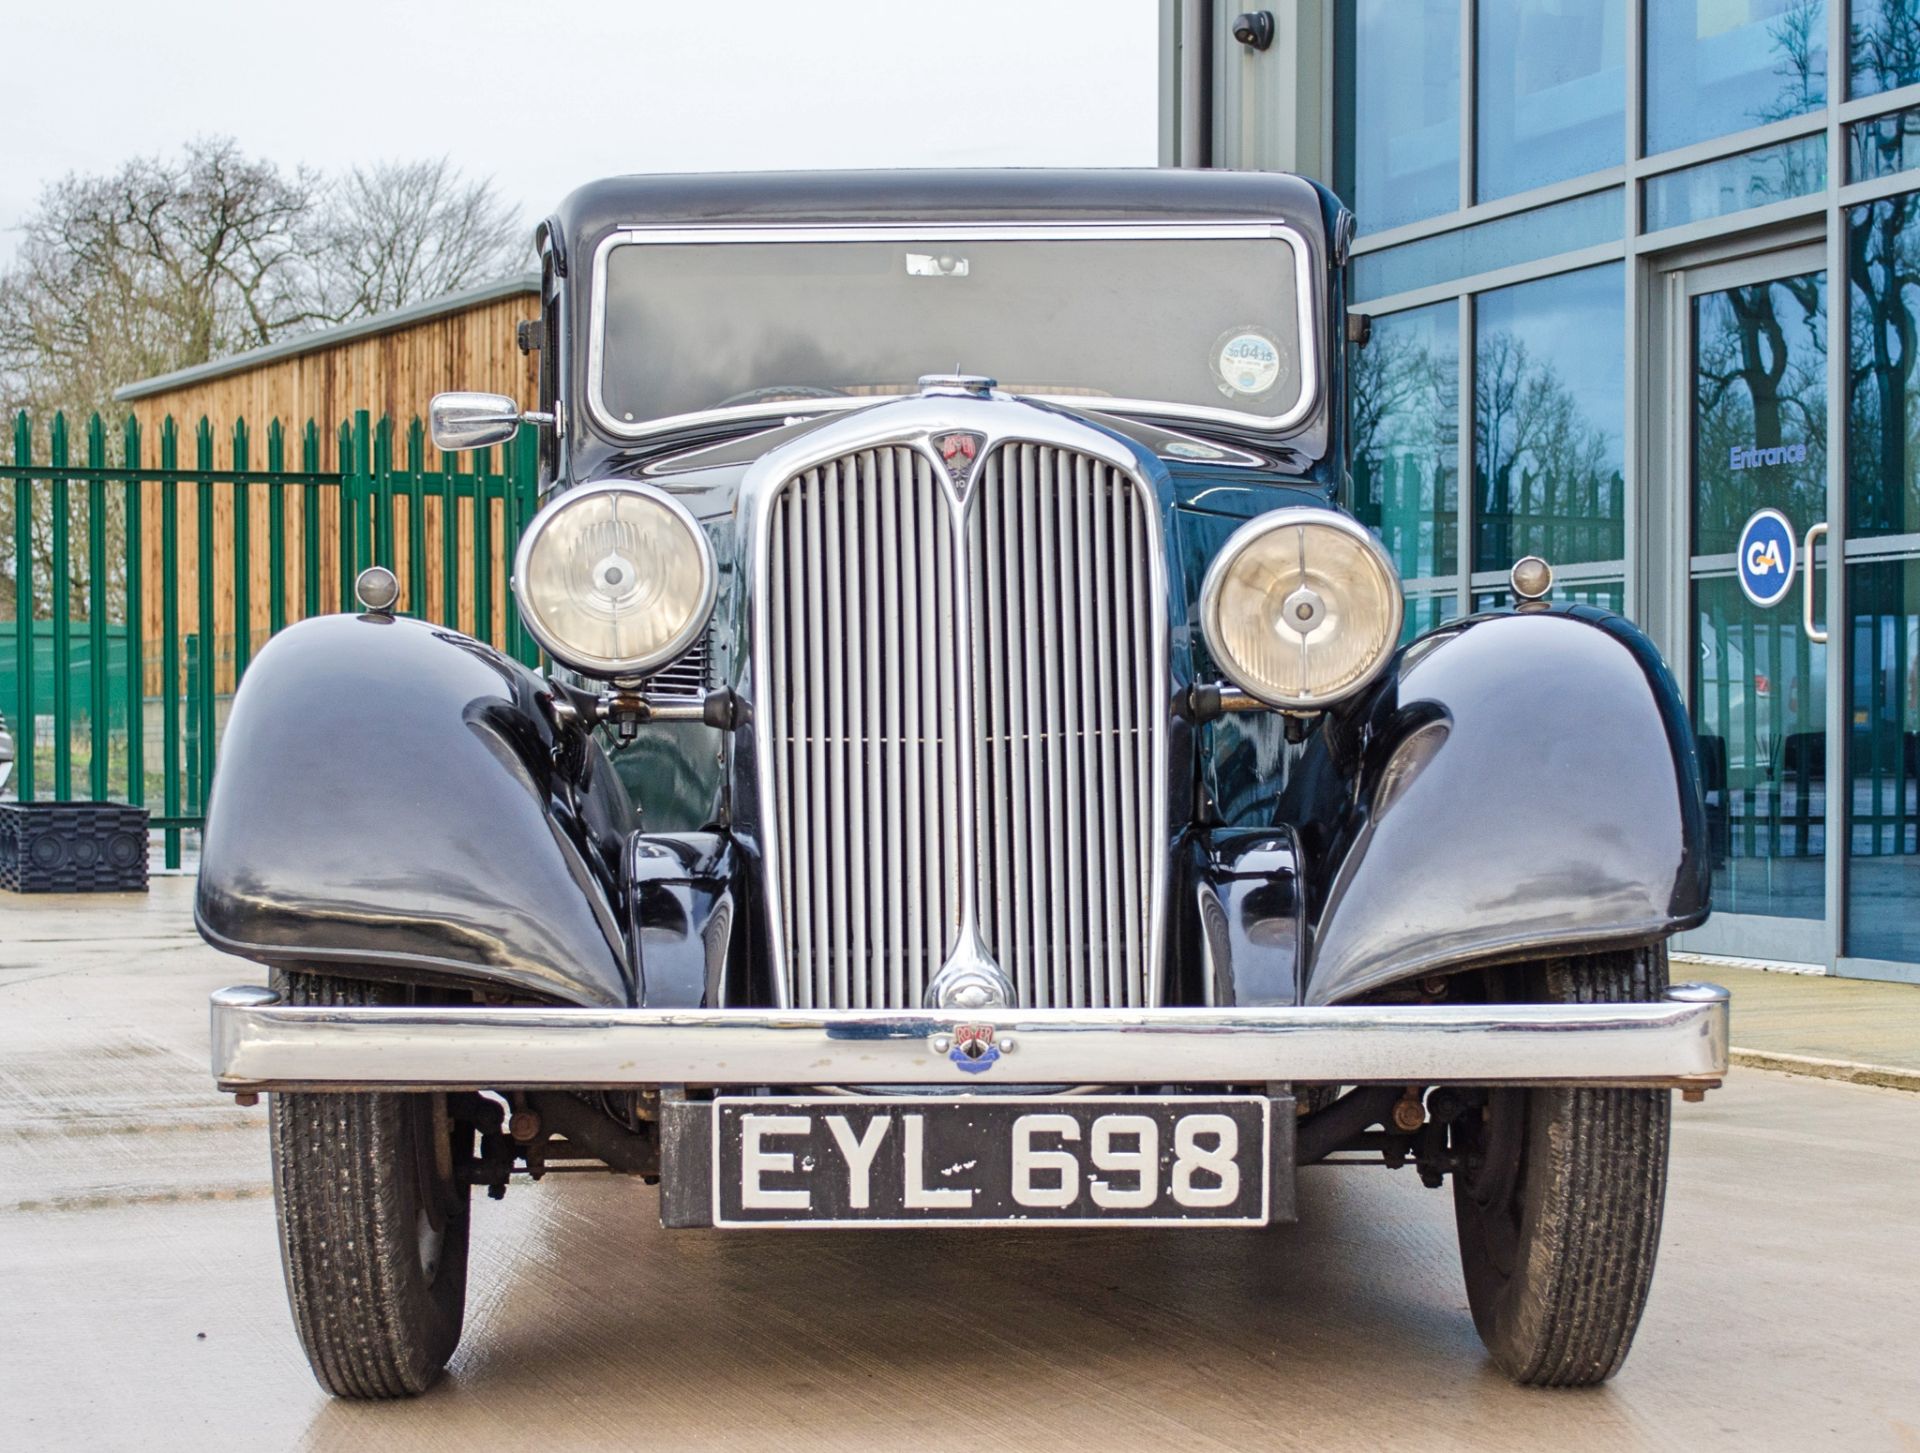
(1766, 558)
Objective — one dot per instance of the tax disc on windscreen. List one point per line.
(1766, 557)
(1247, 362)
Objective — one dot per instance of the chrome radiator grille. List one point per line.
(1064, 665)
(687, 678)
(920, 788)
(864, 693)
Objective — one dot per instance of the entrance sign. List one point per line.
(1766, 558)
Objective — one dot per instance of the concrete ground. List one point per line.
(140, 1297)
(1860, 1022)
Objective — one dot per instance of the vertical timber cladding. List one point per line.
(392, 373)
(326, 377)
(868, 726)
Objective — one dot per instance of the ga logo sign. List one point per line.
(1766, 558)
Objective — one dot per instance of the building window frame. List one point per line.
(1650, 259)
(1638, 246)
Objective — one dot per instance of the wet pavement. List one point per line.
(140, 1297)
(1862, 1022)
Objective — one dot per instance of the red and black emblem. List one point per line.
(959, 453)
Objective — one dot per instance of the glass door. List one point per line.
(1753, 392)
(1882, 589)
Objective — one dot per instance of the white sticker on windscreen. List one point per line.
(1247, 362)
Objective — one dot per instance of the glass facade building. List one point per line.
(1637, 269)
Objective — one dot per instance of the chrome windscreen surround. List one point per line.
(889, 879)
(1305, 303)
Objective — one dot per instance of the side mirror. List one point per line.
(472, 420)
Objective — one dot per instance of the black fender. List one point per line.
(1249, 916)
(1519, 784)
(683, 909)
(393, 799)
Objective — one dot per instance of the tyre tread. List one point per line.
(370, 1327)
(1597, 1177)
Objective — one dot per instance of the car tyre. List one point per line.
(1559, 1208)
(373, 1221)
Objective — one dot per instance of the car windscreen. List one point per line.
(1196, 324)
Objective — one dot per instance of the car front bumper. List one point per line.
(262, 1043)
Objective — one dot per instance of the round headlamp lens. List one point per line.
(615, 579)
(1301, 608)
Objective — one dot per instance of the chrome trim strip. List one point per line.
(1103, 721)
(1304, 305)
(259, 1043)
(1065, 746)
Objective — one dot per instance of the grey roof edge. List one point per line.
(329, 337)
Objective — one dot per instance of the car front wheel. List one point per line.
(1560, 1197)
(373, 1221)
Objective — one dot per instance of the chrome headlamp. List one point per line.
(1301, 608)
(614, 579)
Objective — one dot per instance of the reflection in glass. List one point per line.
(1883, 761)
(1715, 67)
(1426, 611)
(1795, 168)
(1883, 348)
(1552, 81)
(1883, 498)
(1524, 237)
(1608, 592)
(1549, 419)
(1404, 397)
(1759, 715)
(789, 325)
(1760, 407)
(1883, 145)
(1399, 145)
(1883, 45)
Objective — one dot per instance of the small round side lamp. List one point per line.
(378, 589)
(1531, 577)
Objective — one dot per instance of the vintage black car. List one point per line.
(957, 802)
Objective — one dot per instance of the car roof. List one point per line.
(852, 198)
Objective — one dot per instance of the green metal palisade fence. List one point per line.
(108, 698)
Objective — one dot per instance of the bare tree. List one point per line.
(395, 233)
(1883, 248)
(1403, 401)
(1547, 483)
(1798, 33)
(168, 262)
(162, 264)
(1885, 42)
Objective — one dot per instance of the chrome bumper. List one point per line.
(260, 1043)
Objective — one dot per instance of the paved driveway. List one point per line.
(140, 1300)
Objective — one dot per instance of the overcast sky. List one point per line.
(543, 96)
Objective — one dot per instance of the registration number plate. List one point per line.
(992, 1160)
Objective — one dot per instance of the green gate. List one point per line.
(138, 590)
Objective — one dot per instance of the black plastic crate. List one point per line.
(73, 847)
